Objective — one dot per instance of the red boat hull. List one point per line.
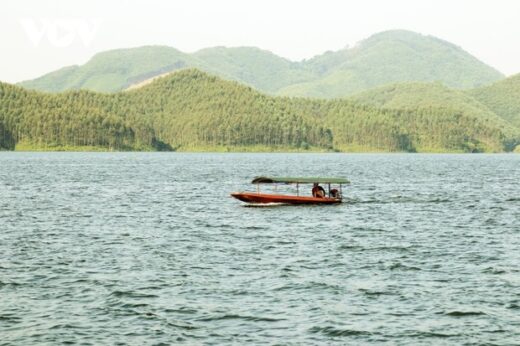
(253, 197)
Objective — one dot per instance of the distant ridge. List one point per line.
(384, 58)
(392, 57)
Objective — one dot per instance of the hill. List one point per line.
(502, 97)
(115, 70)
(187, 110)
(258, 68)
(415, 95)
(426, 96)
(391, 57)
(191, 110)
(388, 57)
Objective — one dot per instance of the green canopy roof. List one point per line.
(299, 180)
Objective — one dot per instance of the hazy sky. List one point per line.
(38, 36)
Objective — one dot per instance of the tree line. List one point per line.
(190, 110)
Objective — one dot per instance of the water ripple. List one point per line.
(148, 248)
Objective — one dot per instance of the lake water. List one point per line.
(148, 248)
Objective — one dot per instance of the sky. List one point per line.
(39, 36)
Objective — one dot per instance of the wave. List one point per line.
(398, 199)
(181, 310)
(181, 326)
(310, 285)
(457, 313)
(376, 248)
(350, 247)
(239, 317)
(67, 326)
(130, 294)
(368, 229)
(7, 284)
(254, 228)
(8, 318)
(133, 306)
(332, 331)
(495, 271)
(400, 266)
(432, 335)
(369, 292)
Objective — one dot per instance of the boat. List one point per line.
(329, 196)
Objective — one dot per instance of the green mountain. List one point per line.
(191, 110)
(502, 97)
(391, 57)
(115, 70)
(424, 96)
(415, 95)
(388, 57)
(258, 68)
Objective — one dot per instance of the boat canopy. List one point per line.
(299, 180)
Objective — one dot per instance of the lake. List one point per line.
(148, 248)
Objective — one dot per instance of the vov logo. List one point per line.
(61, 32)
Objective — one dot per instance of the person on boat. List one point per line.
(318, 191)
(334, 193)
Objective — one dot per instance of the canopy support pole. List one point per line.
(297, 189)
(329, 190)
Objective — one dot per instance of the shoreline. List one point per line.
(217, 151)
(352, 149)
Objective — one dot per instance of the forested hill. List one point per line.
(498, 104)
(115, 70)
(387, 57)
(502, 97)
(392, 57)
(427, 95)
(190, 110)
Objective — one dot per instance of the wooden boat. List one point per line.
(332, 196)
